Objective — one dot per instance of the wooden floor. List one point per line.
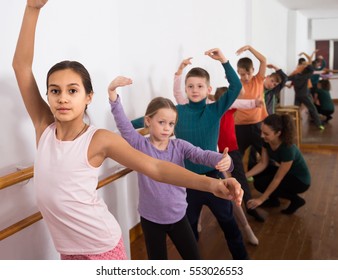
(310, 234)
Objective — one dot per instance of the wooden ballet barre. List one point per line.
(20, 225)
(16, 177)
(14, 228)
(113, 177)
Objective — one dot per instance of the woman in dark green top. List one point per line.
(282, 170)
(325, 104)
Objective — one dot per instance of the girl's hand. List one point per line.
(255, 202)
(119, 81)
(37, 4)
(224, 164)
(230, 189)
(185, 63)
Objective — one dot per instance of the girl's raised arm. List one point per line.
(37, 108)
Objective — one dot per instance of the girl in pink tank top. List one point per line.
(70, 153)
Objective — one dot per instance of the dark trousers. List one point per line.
(249, 135)
(288, 188)
(326, 113)
(222, 210)
(239, 174)
(180, 233)
(308, 103)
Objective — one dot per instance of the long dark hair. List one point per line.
(284, 124)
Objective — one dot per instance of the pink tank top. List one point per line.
(77, 218)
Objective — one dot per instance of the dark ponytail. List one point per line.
(284, 124)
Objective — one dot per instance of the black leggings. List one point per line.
(180, 233)
(288, 188)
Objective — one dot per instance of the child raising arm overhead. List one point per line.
(70, 152)
(163, 206)
(227, 140)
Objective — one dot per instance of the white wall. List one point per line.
(144, 40)
(156, 36)
(269, 34)
(324, 29)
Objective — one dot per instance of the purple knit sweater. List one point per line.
(159, 202)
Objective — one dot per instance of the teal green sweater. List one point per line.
(198, 122)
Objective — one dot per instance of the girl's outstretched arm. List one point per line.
(108, 144)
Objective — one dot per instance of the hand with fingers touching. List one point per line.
(231, 190)
(183, 64)
(216, 54)
(226, 162)
(243, 49)
(119, 81)
(272, 66)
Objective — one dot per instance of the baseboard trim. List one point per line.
(318, 147)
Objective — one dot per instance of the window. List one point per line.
(329, 50)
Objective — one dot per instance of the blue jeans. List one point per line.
(222, 210)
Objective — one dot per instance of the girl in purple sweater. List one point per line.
(162, 206)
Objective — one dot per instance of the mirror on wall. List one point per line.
(311, 135)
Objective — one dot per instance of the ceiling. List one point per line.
(313, 8)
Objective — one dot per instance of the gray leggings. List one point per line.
(306, 100)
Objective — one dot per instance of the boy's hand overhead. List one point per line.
(216, 54)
